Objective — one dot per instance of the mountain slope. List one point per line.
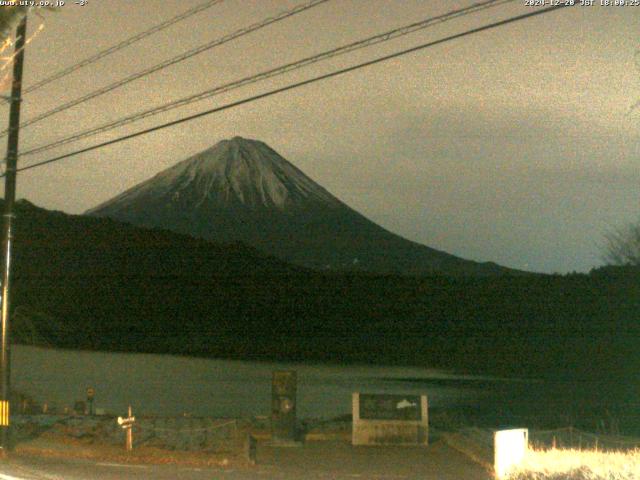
(242, 190)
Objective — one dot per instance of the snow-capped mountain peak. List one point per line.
(232, 173)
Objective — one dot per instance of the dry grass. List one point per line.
(578, 465)
(52, 444)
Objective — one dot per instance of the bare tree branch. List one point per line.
(623, 246)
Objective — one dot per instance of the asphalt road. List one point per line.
(39, 468)
(314, 461)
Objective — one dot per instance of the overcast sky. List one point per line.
(515, 145)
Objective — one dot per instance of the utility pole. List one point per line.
(9, 200)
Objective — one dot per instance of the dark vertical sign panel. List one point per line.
(283, 406)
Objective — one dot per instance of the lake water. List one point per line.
(169, 385)
(173, 385)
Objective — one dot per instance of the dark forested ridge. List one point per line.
(94, 283)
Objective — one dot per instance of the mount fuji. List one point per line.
(242, 190)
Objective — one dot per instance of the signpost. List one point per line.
(127, 425)
(390, 419)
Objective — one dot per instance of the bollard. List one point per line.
(90, 395)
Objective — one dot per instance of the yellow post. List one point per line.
(130, 433)
(4, 413)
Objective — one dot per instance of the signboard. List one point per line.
(390, 407)
(126, 423)
(510, 448)
(283, 406)
(380, 419)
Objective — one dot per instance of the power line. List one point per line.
(125, 43)
(297, 85)
(172, 61)
(367, 42)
